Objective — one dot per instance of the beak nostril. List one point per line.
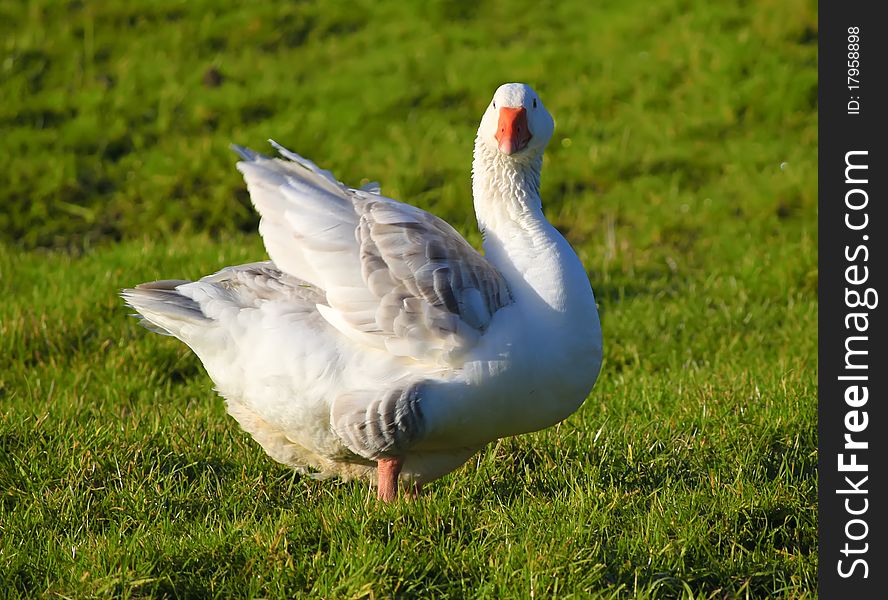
(513, 131)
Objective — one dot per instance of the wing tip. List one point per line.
(245, 153)
(286, 153)
(252, 156)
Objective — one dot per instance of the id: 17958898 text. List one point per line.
(854, 70)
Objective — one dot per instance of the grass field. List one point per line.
(683, 170)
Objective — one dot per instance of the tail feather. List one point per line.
(161, 308)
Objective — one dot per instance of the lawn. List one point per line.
(683, 171)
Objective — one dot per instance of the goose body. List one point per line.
(377, 343)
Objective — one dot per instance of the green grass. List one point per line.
(683, 170)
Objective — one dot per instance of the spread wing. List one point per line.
(396, 278)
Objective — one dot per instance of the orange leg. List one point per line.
(387, 470)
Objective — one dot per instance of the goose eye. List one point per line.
(534, 102)
(494, 103)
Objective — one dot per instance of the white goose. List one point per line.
(377, 343)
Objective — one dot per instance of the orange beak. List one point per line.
(512, 132)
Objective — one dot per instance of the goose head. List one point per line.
(516, 124)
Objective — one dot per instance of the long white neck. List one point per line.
(532, 255)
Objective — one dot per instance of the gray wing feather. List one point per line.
(394, 276)
(435, 293)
